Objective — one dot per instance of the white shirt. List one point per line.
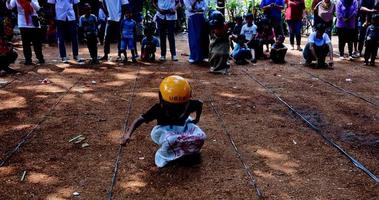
(114, 9)
(199, 5)
(167, 5)
(64, 9)
(21, 21)
(249, 32)
(319, 41)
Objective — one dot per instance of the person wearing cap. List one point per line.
(318, 47)
(176, 132)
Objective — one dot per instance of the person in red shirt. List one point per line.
(294, 16)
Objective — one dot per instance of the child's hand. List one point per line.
(125, 139)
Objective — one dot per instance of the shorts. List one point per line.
(127, 43)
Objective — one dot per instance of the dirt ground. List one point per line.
(287, 158)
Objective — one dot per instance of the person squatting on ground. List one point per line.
(149, 43)
(88, 24)
(66, 14)
(7, 53)
(176, 133)
(372, 41)
(249, 30)
(219, 46)
(198, 38)
(278, 51)
(294, 17)
(128, 32)
(273, 11)
(241, 53)
(166, 17)
(318, 47)
(114, 9)
(236, 31)
(324, 13)
(346, 11)
(265, 36)
(30, 29)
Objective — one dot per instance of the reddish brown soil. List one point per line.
(288, 159)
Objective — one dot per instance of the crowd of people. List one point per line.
(210, 38)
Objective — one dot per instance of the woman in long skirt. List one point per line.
(198, 36)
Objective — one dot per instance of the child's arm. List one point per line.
(137, 123)
(199, 110)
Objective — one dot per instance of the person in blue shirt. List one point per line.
(149, 43)
(273, 11)
(372, 40)
(318, 47)
(241, 53)
(88, 25)
(128, 32)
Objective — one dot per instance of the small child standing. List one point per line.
(128, 32)
(176, 133)
(149, 43)
(278, 51)
(88, 24)
(372, 40)
(249, 30)
(241, 53)
(220, 44)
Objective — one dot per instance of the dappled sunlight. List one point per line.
(127, 76)
(115, 83)
(42, 88)
(134, 183)
(13, 102)
(83, 71)
(146, 72)
(21, 127)
(148, 94)
(114, 136)
(40, 178)
(231, 95)
(92, 98)
(6, 171)
(277, 161)
(263, 174)
(82, 89)
(63, 193)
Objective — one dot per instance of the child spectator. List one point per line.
(7, 54)
(241, 53)
(128, 32)
(149, 43)
(102, 20)
(249, 30)
(219, 46)
(236, 31)
(318, 47)
(372, 40)
(176, 133)
(265, 36)
(278, 51)
(88, 24)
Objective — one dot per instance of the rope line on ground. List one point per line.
(25, 138)
(367, 100)
(9, 82)
(124, 128)
(248, 172)
(356, 163)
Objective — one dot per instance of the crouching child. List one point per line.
(149, 43)
(7, 53)
(176, 132)
(241, 53)
(219, 46)
(278, 51)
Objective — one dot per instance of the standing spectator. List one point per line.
(197, 32)
(113, 9)
(102, 20)
(166, 16)
(367, 9)
(325, 10)
(88, 25)
(273, 11)
(29, 27)
(294, 16)
(66, 14)
(347, 11)
(372, 40)
(137, 8)
(316, 18)
(128, 32)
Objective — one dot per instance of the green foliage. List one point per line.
(308, 5)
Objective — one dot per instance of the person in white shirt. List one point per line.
(198, 36)
(66, 16)
(29, 27)
(113, 9)
(249, 30)
(166, 16)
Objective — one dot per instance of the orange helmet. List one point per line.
(175, 89)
